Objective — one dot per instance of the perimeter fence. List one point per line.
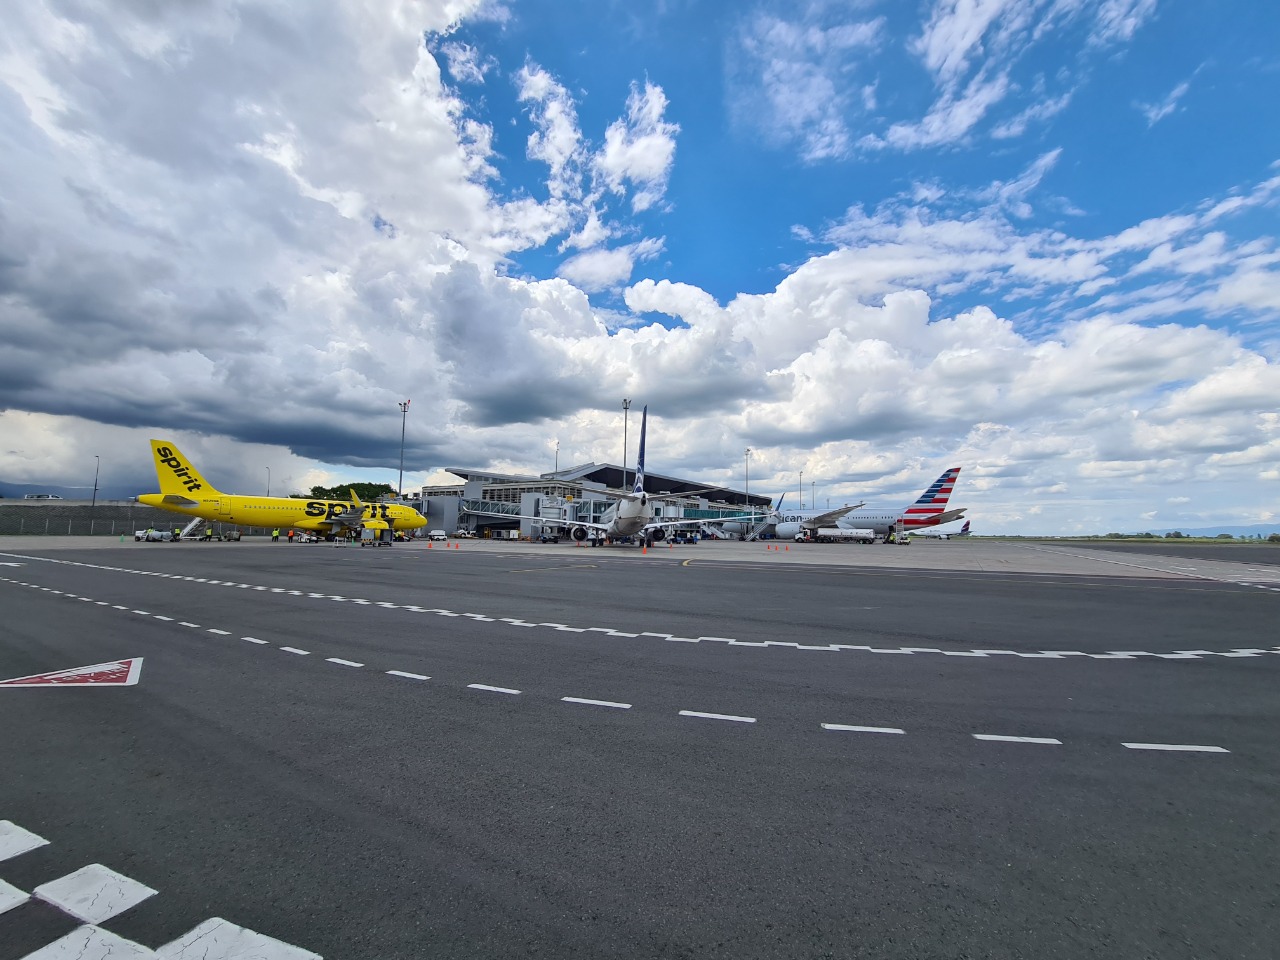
(101, 520)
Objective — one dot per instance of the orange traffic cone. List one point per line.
(787, 548)
(428, 544)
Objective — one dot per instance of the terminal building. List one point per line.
(575, 494)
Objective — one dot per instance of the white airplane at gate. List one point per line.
(631, 514)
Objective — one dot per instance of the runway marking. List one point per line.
(596, 703)
(982, 653)
(94, 893)
(185, 623)
(716, 716)
(166, 619)
(6, 842)
(15, 840)
(1180, 747)
(221, 633)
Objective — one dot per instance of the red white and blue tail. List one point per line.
(931, 505)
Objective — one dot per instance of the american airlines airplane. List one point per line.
(929, 510)
(944, 535)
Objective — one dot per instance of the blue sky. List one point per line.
(1033, 238)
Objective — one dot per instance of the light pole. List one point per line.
(97, 462)
(801, 489)
(746, 475)
(813, 494)
(404, 412)
(557, 456)
(626, 405)
(268, 481)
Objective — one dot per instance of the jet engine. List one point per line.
(580, 533)
(658, 534)
(787, 531)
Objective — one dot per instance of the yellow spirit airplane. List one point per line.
(184, 490)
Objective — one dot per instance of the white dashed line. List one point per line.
(166, 619)
(301, 653)
(253, 640)
(716, 716)
(853, 729)
(221, 633)
(141, 613)
(596, 703)
(489, 689)
(407, 676)
(184, 623)
(1002, 739)
(1182, 747)
(343, 663)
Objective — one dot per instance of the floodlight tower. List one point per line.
(404, 412)
(626, 405)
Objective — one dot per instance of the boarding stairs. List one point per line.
(760, 527)
(195, 522)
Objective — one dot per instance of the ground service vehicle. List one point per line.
(837, 535)
(437, 535)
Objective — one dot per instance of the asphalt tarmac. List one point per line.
(955, 749)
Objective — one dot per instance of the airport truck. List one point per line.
(837, 535)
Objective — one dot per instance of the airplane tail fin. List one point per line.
(933, 501)
(638, 488)
(964, 531)
(176, 474)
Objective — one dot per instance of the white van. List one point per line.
(437, 535)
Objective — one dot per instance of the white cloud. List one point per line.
(598, 270)
(1155, 112)
(639, 149)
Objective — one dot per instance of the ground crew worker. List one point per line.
(275, 535)
(291, 535)
(208, 533)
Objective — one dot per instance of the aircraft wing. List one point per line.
(541, 521)
(829, 518)
(746, 517)
(947, 517)
(349, 518)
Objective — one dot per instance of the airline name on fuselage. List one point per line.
(329, 509)
(180, 470)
